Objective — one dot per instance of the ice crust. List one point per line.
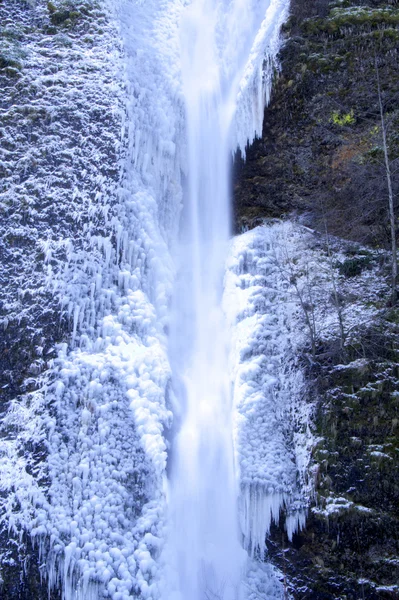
(113, 405)
(95, 508)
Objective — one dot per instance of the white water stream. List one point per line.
(218, 39)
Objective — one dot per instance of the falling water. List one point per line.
(217, 37)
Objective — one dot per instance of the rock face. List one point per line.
(321, 149)
(349, 547)
(60, 128)
(56, 101)
(321, 158)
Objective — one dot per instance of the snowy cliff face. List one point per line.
(61, 148)
(272, 436)
(93, 147)
(309, 160)
(91, 193)
(61, 118)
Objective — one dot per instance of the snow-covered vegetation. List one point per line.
(84, 245)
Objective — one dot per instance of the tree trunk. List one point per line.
(390, 192)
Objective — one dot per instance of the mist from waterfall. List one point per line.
(217, 39)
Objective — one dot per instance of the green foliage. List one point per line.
(11, 52)
(342, 22)
(354, 266)
(13, 33)
(375, 153)
(7, 61)
(63, 17)
(68, 12)
(342, 119)
(364, 16)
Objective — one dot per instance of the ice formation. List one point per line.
(191, 82)
(268, 384)
(95, 509)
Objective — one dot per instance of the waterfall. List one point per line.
(203, 487)
(222, 46)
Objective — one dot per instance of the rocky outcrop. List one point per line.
(350, 545)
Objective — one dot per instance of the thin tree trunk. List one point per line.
(390, 192)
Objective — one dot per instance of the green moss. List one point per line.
(392, 316)
(9, 60)
(364, 16)
(50, 30)
(9, 63)
(346, 22)
(375, 153)
(13, 72)
(13, 33)
(62, 17)
(343, 119)
(12, 53)
(68, 12)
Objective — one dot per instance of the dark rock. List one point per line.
(322, 129)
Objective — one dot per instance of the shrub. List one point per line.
(353, 266)
(343, 119)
